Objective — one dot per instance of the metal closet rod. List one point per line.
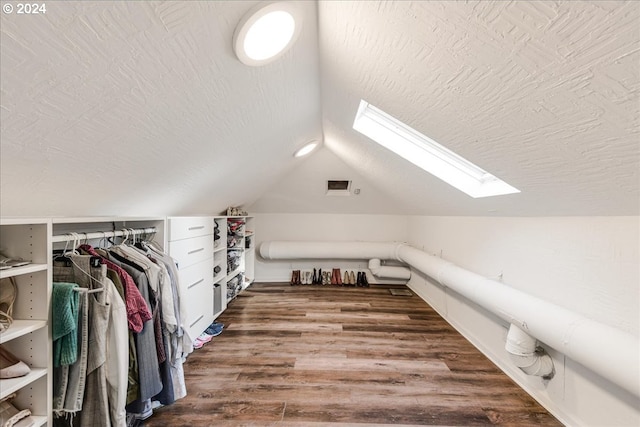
(102, 234)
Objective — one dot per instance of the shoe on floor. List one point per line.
(214, 329)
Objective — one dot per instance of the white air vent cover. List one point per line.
(338, 188)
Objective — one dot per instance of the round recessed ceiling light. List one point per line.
(306, 149)
(266, 32)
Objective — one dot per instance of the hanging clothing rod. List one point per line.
(102, 234)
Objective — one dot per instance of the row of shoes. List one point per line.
(319, 277)
(213, 330)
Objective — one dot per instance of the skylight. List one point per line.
(427, 154)
(266, 32)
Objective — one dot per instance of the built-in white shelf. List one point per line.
(234, 273)
(25, 269)
(38, 420)
(99, 219)
(11, 385)
(21, 327)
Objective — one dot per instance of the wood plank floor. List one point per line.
(324, 355)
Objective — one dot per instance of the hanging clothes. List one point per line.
(179, 343)
(149, 380)
(128, 332)
(117, 355)
(138, 312)
(85, 380)
(64, 308)
(137, 308)
(133, 256)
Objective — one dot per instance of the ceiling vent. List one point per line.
(338, 188)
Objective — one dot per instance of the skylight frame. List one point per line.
(427, 154)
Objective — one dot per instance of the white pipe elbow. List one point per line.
(524, 354)
(389, 272)
(539, 365)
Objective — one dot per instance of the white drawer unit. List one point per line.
(191, 244)
(191, 251)
(197, 285)
(189, 227)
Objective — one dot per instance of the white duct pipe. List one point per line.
(329, 250)
(579, 338)
(391, 272)
(525, 355)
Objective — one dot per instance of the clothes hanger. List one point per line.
(103, 239)
(68, 256)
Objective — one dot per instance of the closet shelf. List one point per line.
(11, 385)
(219, 248)
(38, 420)
(107, 219)
(25, 269)
(21, 327)
(234, 273)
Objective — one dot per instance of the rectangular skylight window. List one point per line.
(427, 154)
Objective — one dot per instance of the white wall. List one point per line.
(374, 228)
(588, 265)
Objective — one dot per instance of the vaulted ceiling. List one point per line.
(142, 108)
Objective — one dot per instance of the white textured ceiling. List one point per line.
(136, 108)
(544, 95)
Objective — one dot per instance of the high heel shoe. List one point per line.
(11, 366)
(365, 282)
(8, 293)
(293, 278)
(352, 278)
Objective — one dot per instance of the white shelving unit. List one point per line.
(220, 261)
(240, 255)
(29, 337)
(249, 252)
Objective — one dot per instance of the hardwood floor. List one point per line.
(325, 355)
